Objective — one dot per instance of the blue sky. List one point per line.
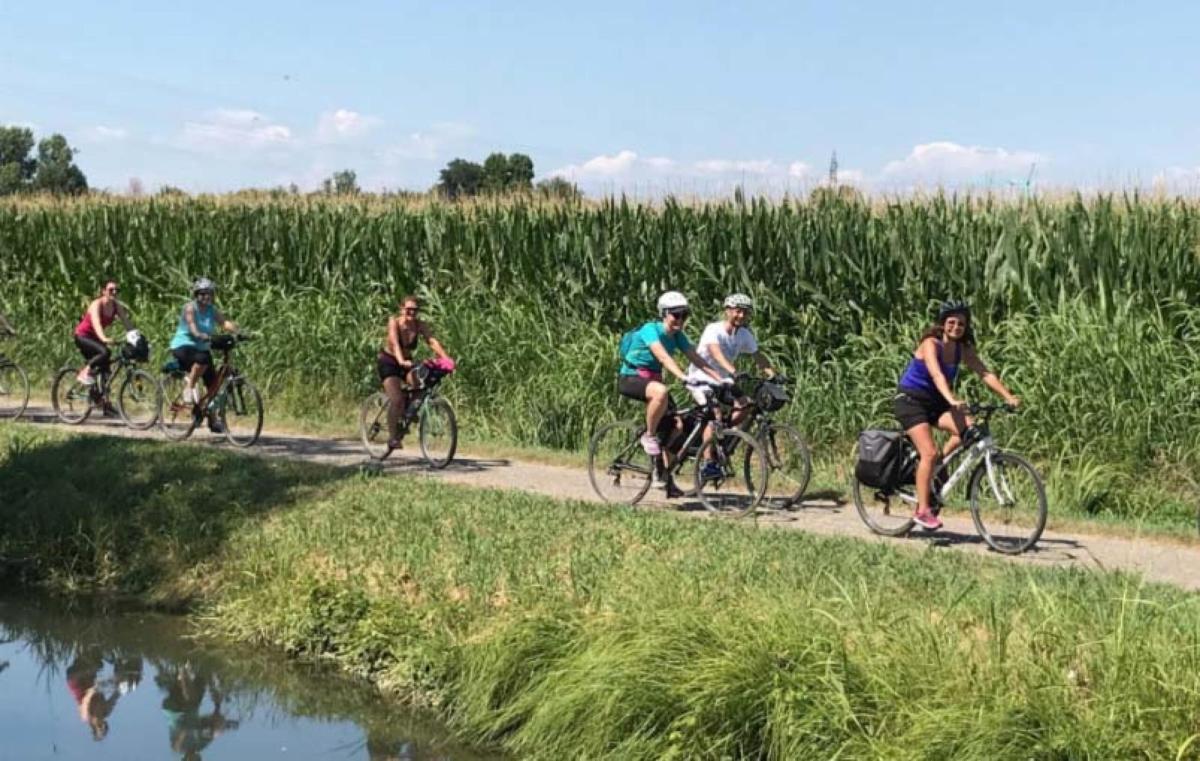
(643, 97)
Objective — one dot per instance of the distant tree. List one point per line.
(341, 183)
(170, 191)
(495, 173)
(460, 178)
(520, 172)
(16, 165)
(56, 171)
(559, 188)
(136, 188)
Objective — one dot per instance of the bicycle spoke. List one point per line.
(1008, 503)
(617, 466)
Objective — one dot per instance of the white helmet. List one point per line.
(670, 301)
(132, 337)
(738, 301)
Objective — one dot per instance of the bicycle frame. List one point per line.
(977, 446)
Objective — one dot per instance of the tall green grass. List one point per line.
(1089, 306)
(566, 630)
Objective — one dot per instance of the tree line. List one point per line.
(51, 170)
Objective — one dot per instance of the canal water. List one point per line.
(81, 683)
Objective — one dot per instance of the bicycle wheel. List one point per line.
(242, 413)
(791, 464)
(71, 399)
(14, 390)
(1008, 503)
(618, 467)
(744, 475)
(176, 417)
(372, 425)
(138, 400)
(438, 433)
(887, 513)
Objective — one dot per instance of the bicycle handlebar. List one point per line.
(987, 410)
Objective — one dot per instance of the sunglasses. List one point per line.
(112, 290)
(411, 310)
(681, 315)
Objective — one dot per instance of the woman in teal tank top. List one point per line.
(198, 320)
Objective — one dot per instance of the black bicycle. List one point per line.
(1007, 497)
(137, 390)
(437, 426)
(232, 402)
(787, 452)
(729, 476)
(14, 386)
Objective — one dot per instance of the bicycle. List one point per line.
(137, 390)
(14, 387)
(787, 452)
(621, 472)
(437, 424)
(232, 400)
(1011, 523)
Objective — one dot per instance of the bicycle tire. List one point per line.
(618, 468)
(72, 401)
(789, 480)
(176, 418)
(1030, 525)
(741, 489)
(14, 390)
(139, 387)
(241, 413)
(372, 425)
(877, 513)
(438, 421)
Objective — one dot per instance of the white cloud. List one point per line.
(104, 134)
(951, 163)
(1178, 176)
(344, 124)
(626, 170)
(728, 166)
(224, 128)
(798, 170)
(430, 144)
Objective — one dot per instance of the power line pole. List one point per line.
(833, 169)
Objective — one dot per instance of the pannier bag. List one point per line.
(770, 396)
(878, 463)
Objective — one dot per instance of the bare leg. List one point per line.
(398, 399)
(922, 438)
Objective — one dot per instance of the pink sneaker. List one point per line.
(84, 377)
(651, 445)
(927, 520)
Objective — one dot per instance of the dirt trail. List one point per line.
(1159, 560)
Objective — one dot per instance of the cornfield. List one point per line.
(1088, 307)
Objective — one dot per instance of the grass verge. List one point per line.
(567, 630)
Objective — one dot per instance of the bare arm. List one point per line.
(928, 352)
(667, 361)
(699, 362)
(434, 344)
(227, 325)
(719, 358)
(189, 316)
(123, 315)
(990, 379)
(763, 365)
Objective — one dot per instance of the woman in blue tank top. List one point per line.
(198, 320)
(925, 394)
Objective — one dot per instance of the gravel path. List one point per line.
(1158, 559)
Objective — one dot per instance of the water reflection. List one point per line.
(138, 686)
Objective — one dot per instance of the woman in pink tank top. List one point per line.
(89, 333)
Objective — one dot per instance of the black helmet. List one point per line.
(953, 306)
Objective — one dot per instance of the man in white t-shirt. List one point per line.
(720, 345)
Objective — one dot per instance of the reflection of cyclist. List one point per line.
(642, 364)
(925, 395)
(89, 333)
(395, 361)
(720, 344)
(198, 320)
(94, 706)
(189, 731)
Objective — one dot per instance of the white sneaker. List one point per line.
(189, 395)
(85, 378)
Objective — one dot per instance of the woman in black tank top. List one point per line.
(395, 362)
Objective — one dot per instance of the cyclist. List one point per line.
(925, 395)
(721, 343)
(198, 320)
(642, 364)
(395, 362)
(90, 337)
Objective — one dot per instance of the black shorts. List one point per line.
(915, 407)
(634, 387)
(387, 367)
(190, 355)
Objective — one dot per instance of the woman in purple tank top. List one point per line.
(925, 394)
